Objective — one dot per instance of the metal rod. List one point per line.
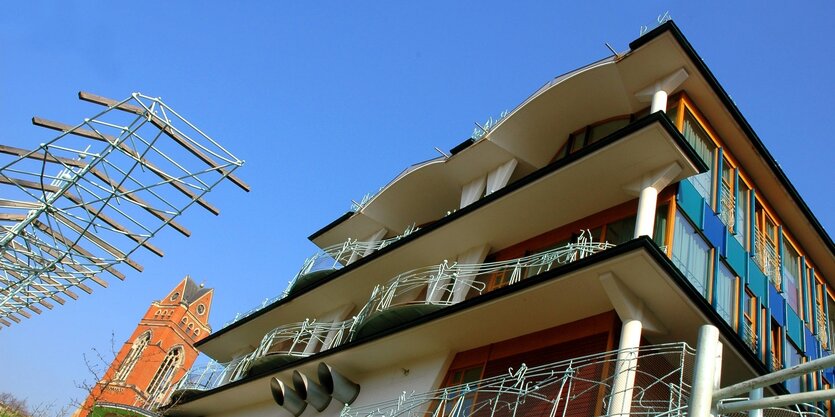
(774, 377)
(775, 401)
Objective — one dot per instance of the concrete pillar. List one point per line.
(645, 220)
(704, 373)
(657, 92)
(620, 400)
(659, 101)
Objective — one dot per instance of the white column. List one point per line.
(704, 373)
(647, 188)
(620, 401)
(657, 92)
(659, 101)
(645, 221)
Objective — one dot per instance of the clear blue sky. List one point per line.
(327, 101)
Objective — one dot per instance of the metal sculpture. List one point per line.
(82, 203)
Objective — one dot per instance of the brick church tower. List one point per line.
(158, 353)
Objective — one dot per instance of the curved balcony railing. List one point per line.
(322, 264)
(204, 377)
(431, 288)
(573, 387)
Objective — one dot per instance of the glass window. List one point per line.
(605, 129)
(749, 315)
(791, 272)
(165, 374)
(727, 202)
(704, 147)
(793, 357)
(620, 231)
(660, 230)
(724, 293)
(742, 214)
(133, 355)
(691, 254)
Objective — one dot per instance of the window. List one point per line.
(793, 357)
(765, 250)
(456, 378)
(831, 309)
(201, 309)
(742, 216)
(698, 138)
(727, 199)
(591, 134)
(749, 318)
(165, 374)
(175, 296)
(724, 293)
(620, 231)
(691, 254)
(133, 355)
(791, 273)
(776, 346)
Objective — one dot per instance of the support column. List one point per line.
(647, 188)
(658, 91)
(704, 373)
(636, 318)
(620, 400)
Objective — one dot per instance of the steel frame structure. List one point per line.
(81, 204)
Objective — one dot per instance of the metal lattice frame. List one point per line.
(82, 203)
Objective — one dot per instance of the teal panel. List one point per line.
(736, 256)
(757, 281)
(691, 202)
(794, 327)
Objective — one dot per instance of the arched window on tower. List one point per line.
(133, 356)
(162, 379)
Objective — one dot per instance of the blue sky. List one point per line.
(328, 101)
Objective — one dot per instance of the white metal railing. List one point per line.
(727, 206)
(447, 284)
(303, 339)
(579, 386)
(765, 255)
(331, 257)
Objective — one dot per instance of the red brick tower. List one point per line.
(159, 352)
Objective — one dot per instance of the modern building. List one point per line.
(554, 264)
(157, 355)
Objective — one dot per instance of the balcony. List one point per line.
(322, 264)
(727, 206)
(575, 387)
(299, 340)
(421, 291)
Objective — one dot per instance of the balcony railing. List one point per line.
(575, 387)
(437, 286)
(765, 255)
(330, 258)
(727, 207)
(447, 284)
(749, 336)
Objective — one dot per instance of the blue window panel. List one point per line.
(757, 282)
(777, 305)
(829, 373)
(690, 202)
(735, 255)
(794, 326)
(811, 345)
(714, 229)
